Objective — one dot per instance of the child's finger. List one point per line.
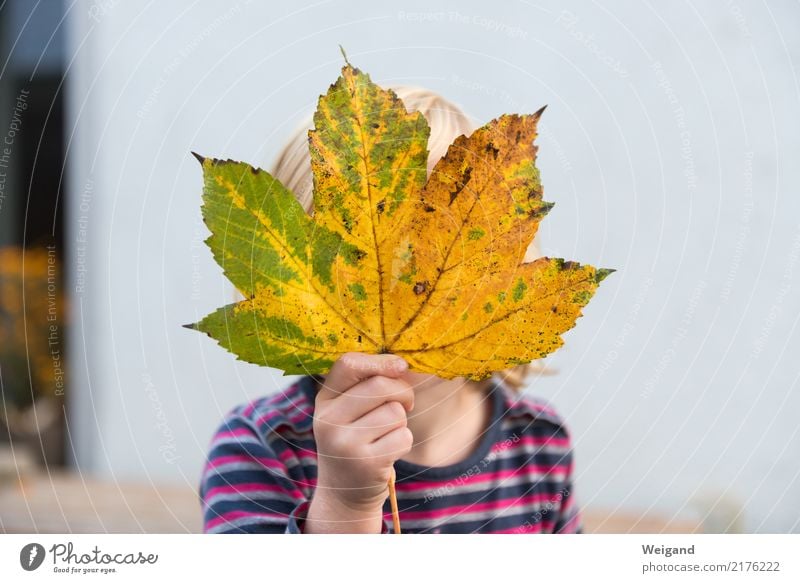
(380, 421)
(354, 367)
(371, 394)
(393, 445)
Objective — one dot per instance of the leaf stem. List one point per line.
(341, 48)
(393, 502)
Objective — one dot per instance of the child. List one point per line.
(469, 457)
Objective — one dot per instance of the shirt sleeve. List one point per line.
(568, 520)
(245, 487)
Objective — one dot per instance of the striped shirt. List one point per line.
(262, 469)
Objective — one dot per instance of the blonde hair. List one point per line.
(447, 121)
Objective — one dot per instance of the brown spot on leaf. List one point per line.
(465, 176)
(420, 287)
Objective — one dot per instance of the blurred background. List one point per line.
(670, 146)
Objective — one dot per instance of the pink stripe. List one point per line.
(229, 459)
(288, 393)
(240, 432)
(531, 441)
(235, 514)
(484, 477)
(250, 407)
(309, 483)
(297, 417)
(455, 510)
(545, 525)
(566, 502)
(541, 408)
(547, 410)
(254, 487)
(289, 453)
(531, 404)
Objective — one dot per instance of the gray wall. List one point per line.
(669, 146)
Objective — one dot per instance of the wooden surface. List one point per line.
(598, 521)
(64, 502)
(71, 503)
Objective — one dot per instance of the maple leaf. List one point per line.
(429, 268)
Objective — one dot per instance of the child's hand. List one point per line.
(360, 430)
